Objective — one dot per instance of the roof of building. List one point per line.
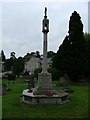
(40, 60)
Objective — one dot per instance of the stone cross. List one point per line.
(44, 78)
(45, 31)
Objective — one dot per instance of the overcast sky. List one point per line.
(22, 24)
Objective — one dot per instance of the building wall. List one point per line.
(35, 63)
(31, 64)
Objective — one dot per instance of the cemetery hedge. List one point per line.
(13, 108)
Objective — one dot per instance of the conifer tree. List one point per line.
(3, 56)
(70, 58)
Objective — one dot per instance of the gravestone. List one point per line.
(3, 89)
(62, 81)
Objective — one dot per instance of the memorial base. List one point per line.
(43, 93)
(30, 98)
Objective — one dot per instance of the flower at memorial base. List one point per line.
(30, 90)
(48, 93)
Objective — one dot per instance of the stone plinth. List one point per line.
(44, 81)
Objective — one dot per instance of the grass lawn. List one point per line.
(13, 108)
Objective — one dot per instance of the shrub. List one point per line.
(36, 71)
(55, 73)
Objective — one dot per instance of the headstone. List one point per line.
(3, 89)
(62, 81)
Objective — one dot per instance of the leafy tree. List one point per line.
(37, 71)
(32, 53)
(50, 54)
(18, 66)
(27, 57)
(55, 73)
(87, 38)
(3, 56)
(12, 55)
(7, 65)
(37, 54)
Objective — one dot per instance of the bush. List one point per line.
(36, 71)
(55, 73)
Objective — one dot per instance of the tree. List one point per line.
(12, 55)
(61, 56)
(18, 66)
(78, 50)
(7, 65)
(37, 54)
(71, 56)
(37, 71)
(3, 56)
(27, 57)
(50, 54)
(87, 38)
(76, 37)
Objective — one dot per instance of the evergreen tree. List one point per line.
(18, 66)
(76, 37)
(70, 58)
(50, 54)
(37, 54)
(3, 56)
(78, 48)
(87, 38)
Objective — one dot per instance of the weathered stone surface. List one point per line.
(44, 80)
(3, 89)
(59, 98)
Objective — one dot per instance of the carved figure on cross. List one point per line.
(45, 12)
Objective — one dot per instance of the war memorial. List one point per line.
(44, 93)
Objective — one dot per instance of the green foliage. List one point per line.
(18, 66)
(55, 73)
(13, 55)
(50, 54)
(27, 57)
(87, 38)
(75, 28)
(37, 54)
(71, 58)
(7, 65)
(36, 71)
(3, 56)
